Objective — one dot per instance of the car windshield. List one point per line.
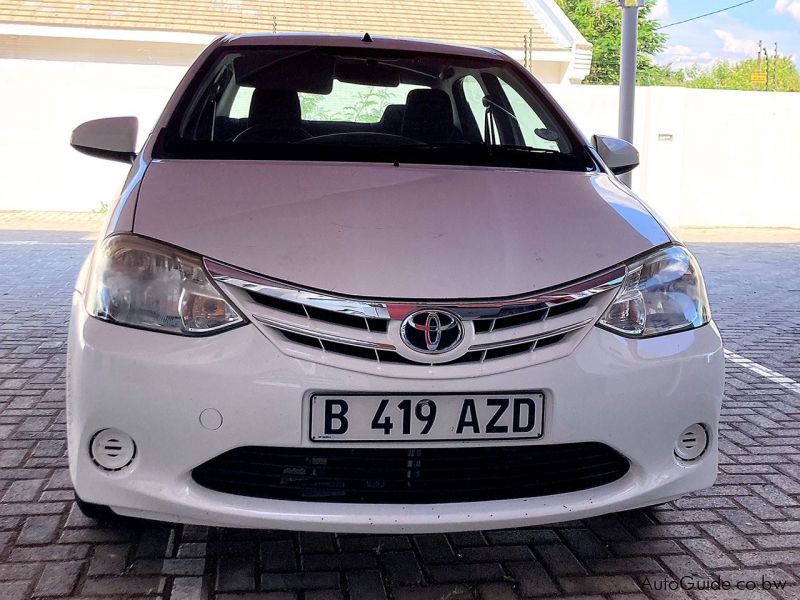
(366, 105)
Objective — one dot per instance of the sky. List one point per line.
(729, 35)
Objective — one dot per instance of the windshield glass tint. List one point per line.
(316, 103)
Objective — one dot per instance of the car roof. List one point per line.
(355, 41)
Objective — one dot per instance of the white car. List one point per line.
(379, 285)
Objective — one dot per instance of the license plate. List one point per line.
(437, 417)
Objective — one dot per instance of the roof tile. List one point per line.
(496, 23)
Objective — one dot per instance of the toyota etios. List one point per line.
(380, 285)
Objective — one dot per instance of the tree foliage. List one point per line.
(600, 22)
(726, 75)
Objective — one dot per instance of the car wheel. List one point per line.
(98, 512)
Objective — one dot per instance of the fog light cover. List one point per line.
(692, 442)
(112, 449)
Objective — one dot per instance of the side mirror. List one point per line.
(112, 139)
(620, 156)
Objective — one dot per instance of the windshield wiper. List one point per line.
(478, 153)
(490, 148)
(531, 149)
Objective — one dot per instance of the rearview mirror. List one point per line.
(620, 156)
(112, 139)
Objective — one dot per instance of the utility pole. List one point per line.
(525, 51)
(775, 70)
(758, 77)
(530, 49)
(627, 72)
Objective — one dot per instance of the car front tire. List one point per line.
(98, 512)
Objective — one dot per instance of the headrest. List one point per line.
(428, 116)
(392, 118)
(279, 109)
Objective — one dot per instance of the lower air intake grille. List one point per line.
(411, 476)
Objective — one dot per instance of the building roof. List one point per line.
(496, 23)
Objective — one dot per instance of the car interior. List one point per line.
(436, 109)
(275, 117)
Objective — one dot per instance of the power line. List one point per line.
(706, 14)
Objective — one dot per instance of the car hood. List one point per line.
(383, 231)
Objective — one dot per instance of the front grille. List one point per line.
(311, 324)
(390, 356)
(514, 320)
(411, 476)
(523, 317)
(319, 314)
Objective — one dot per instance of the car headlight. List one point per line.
(662, 293)
(141, 283)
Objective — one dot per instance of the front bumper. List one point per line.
(635, 396)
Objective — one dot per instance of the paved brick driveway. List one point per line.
(745, 528)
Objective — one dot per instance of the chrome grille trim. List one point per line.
(258, 284)
(325, 337)
(386, 309)
(531, 338)
(357, 333)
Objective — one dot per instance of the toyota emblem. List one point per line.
(432, 331)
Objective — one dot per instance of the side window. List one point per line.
(527, 119)
(473, 94)
(240, 108)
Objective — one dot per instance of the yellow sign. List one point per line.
(758, 77)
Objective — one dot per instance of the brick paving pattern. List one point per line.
(747, 527)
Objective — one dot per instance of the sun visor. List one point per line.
(367, 73)
(305, 72)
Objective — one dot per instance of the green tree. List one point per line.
(600, 22)
(312, 107)
(368, 106)
(726, 75)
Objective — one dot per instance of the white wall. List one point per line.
(43, 101)
(731, 160)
